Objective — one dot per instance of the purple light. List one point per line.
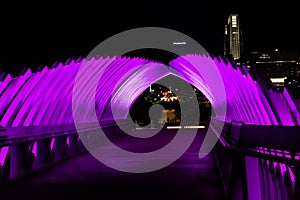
(3, 153)
(34, 148)
(50, 96)
(291, 104)
(27, 101)
(9, 95)
(45, 97)
(291, 175)
(52, 143)
(68, 140)
(282, 108)
(3, 84)
(282, 168)
(245, 101)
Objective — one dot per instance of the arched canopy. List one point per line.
(45, 97)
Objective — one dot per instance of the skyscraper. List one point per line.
(232, 39)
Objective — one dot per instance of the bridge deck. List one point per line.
(83, 177)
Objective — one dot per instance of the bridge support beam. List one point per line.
(60, 149)
(237, 188)
(1, 172)
(296, 172)
(253, 178)
(73, 144)
(19, 160)
(43, 153)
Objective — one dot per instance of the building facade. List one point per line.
(275, 64)
(280, 67)
(232, 37)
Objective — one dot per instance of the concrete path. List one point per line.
(84, 177)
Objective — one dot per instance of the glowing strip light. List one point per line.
(34, 148)
(179, 43)
(184, 127)
(52, 143)
(194, 127)
(3, 153)
(174, 127)
(277, 80)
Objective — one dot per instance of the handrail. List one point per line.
(26, 149)
(13, 135)
(263, 158)
(248, 138)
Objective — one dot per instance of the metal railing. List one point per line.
(28, 149)
(259, 161)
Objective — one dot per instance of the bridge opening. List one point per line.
(168, 98)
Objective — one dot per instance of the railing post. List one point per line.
(19, 160)
(236, 190)
(73, 144)
(1, 174)
(43, 153)
(59, 148)
(253, 178)
(296, 172)
(238, 180)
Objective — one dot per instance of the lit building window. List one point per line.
(234, 23)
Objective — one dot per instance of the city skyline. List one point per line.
(43, 34)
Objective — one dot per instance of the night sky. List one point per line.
(40, 34)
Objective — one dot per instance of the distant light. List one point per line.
(276, 49)
(194, 127)
(179, 43)
(186, 127)
(277, 80)
(234, 21)
(174, 127)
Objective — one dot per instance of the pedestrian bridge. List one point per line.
(255, 128)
